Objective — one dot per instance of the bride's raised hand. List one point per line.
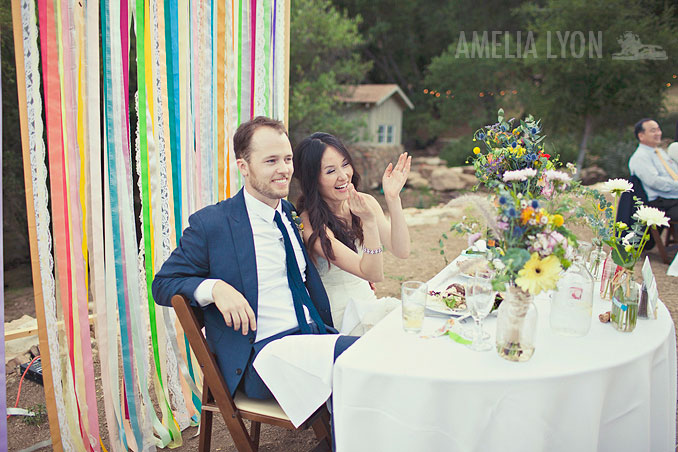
(395, 177)
(357, 202)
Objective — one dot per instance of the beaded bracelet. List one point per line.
(374, 251)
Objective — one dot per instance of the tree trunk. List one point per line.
(588, 127)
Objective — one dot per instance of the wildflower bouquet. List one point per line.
(533, 244)
(509, 148)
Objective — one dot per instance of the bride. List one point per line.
(346, 230)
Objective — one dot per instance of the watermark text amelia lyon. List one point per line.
(521, 44)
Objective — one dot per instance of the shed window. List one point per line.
(389, 134)
(381, 134)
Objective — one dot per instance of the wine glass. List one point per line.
(480, 299)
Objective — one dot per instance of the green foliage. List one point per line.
(324, 55)
(14, 199)
(40, 415)
(458, 151)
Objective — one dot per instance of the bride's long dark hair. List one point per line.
(307, 159)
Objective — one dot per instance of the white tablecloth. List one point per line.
(607, 391)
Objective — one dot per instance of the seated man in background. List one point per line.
(656, 170)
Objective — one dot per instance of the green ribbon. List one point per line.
(458, 339)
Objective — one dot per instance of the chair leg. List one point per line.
(205, 421)
(255, 430)
(322, 429)
(660, 245)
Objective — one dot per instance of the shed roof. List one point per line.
(374, 94)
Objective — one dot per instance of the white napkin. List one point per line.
(298, 371)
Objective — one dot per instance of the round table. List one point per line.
(607, 391)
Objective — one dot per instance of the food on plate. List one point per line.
(454, 296)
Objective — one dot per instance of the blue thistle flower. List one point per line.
(512, 212)
(534, 130)
(503, 128)
(518, 231)
(514, 145)
(535, 204)
(481, 136)
(502, 200)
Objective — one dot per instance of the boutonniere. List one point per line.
(297, 221)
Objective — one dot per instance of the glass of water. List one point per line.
(480, 299)
(414, 295)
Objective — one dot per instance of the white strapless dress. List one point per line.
(355, 307)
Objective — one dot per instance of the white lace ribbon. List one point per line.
(42, 216)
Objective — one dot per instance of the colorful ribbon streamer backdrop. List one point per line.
(170, 81)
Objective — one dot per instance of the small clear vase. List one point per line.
(516, 325)
(625, 297)
(596, 262)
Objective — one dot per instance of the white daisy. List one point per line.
(651, 216)
(557, 176)
(519, 175)
(617, 186)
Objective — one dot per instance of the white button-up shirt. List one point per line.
(657, 182)
(275, 312)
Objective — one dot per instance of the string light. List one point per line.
(481, 94)
(668, 85)
(425, 90)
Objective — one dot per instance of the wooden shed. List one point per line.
(382, 106)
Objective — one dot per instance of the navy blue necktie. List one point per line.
(299, 292)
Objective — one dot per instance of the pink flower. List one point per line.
(473, 238)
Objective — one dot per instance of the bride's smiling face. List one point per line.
(335, 175)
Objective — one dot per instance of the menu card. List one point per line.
(651, 287)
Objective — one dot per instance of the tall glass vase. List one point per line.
(516, 325)
(572, 301)
(625, 296)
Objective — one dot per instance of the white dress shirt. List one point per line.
(275, 304)
(656, 181)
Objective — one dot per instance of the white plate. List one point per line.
(439, 307)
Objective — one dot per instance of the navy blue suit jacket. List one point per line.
(219, 244)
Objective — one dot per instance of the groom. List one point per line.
(242, 260)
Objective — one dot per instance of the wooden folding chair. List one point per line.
(216, 396)
(627, 208)
(671, 237)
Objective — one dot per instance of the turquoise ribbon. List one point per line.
(172, 52)
(108, 118)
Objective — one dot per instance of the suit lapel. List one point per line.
(243, 238)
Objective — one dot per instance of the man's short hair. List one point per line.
(639, 126)
(243, 136)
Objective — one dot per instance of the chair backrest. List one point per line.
(192, 321)
(627, 205)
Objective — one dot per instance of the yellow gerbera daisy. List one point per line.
(539, 274)
(476, 150)
(557, 220)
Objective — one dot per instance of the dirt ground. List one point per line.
(424, 262)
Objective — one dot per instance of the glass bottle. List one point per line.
(572, 301)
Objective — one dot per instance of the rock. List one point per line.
(416, 180)
(447, 179)
(371, 160)
(34, 351)
(469, 169)
(434, 215)
(592, 174)
(429, 161)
